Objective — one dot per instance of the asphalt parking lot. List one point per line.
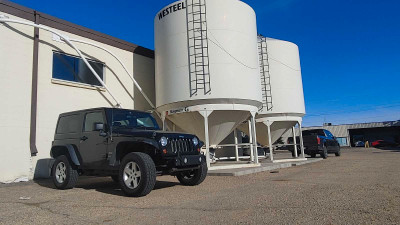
(360, 187)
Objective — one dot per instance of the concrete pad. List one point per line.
(234, 166)
(264, 167)
(290, 160)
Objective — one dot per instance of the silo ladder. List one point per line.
(264, 73)
(199, 72)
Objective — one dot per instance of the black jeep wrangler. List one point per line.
(126, 145)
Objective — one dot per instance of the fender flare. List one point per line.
(113, 158)
(71, 153)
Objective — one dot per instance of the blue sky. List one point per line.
(349, 49)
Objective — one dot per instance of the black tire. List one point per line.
(132, 183)
(115, 178)
(338, 153)
(193, 177)
(63, 174)
(313, 155)
(324, 153)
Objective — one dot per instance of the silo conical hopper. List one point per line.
(206, 60)
(221, 123)
(278, 128)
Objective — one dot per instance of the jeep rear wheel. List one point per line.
(137, 174)
(64, 176)
(193, 177)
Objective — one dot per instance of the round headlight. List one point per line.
(163, 141)
(195, 141)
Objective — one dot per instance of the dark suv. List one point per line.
(126, 145)
(317, 141)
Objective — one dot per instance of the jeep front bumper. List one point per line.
(186, 161)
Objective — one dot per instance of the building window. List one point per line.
(71, 68)
(342, 141)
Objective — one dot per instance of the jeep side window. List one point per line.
(91, 119)
(68, 124)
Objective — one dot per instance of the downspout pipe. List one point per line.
(34, 89)
(4, 19)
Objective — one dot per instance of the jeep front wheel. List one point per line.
(64, 176)
(137, 174)
(193, 177)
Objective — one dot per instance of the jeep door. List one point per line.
(93, 147)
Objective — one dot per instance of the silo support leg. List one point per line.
(271, 152)
(301, 141)
(205, 114)
(164, 122)
(253, 124)
(251, 141)
(236, 145)
(294, 142)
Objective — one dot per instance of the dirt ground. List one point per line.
(360, 187)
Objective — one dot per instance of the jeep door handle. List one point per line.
(84, 138)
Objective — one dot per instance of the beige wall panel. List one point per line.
(144, 75)
(16, 50)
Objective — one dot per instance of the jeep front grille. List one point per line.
(181, 145)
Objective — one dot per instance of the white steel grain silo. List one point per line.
(207, 68)
(282, 90)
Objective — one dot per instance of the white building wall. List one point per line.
(54, 96)
(16, 51)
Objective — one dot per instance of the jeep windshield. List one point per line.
(126, 119)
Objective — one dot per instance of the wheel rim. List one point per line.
(132, 175)
(61, 172)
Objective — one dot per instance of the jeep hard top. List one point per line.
(127, 145)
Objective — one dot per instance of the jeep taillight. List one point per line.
(319, 140)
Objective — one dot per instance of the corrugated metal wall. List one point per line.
(342, 131)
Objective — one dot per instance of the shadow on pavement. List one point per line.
(391, 149)
(102, 184)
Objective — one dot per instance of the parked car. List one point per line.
(359, 144)
(318, 141)
(126, 145)
(383, 143)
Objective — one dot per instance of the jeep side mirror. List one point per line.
(98, 126)
(103, 134)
